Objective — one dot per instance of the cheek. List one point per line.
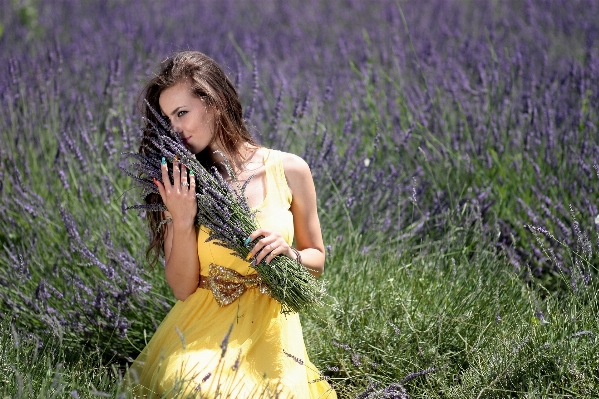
(207, 120)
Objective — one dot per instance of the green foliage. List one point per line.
(444, 300)
(455, 306)
(30, 368)
(443, 295)
(50, 259)
(27, 13)
(450, 306)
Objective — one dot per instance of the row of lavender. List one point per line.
(405, 111)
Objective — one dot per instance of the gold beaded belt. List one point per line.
(227, 285)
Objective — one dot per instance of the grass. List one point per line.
(458, 307)
(425, 186)
(451, 307)
(445, 301)
(30, 368)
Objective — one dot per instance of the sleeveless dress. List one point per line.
(247, 349)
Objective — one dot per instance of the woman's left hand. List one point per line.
(271, 245)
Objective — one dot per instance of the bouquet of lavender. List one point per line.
(225, 212)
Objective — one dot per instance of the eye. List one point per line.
(181, 113)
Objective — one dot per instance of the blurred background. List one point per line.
(454, 146)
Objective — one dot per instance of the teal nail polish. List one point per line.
(247, 241)
(163, 161)
(191, 173)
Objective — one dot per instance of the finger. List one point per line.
(274, 253)
(160, 190)
(192, 182)
(265, 252)
(263, 243)
(256, 234)
(165, 179)
(176, 175)
(184, 177)
(255, 250)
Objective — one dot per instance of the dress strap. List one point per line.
(276, 180)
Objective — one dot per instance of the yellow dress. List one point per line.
(247, 349)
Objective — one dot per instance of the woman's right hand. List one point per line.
(182, 267)
(179, 197)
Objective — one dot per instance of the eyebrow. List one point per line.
(177, 109)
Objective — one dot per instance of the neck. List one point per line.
(212, 156)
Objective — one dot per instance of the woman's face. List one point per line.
(189, 116)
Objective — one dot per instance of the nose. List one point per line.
(176, 128)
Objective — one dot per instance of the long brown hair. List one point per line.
(207, 80)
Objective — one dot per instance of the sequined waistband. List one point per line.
(227, 285)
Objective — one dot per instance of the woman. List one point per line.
(246, 348)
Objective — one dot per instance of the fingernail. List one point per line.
(247, 241)
(253, 263)
(248, 256)
(191, 173)
(163, 161)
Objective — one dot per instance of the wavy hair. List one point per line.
(207, 80)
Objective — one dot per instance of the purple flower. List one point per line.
(295, 358)
(225, 342)
(417, 374)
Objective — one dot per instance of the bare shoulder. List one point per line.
(298, 175)
(295, 166)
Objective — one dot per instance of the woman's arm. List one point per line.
(306, 226)
(182, 269)
(308, 237)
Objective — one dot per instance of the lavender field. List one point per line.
(455, 150)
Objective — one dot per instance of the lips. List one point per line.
(186, 139)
